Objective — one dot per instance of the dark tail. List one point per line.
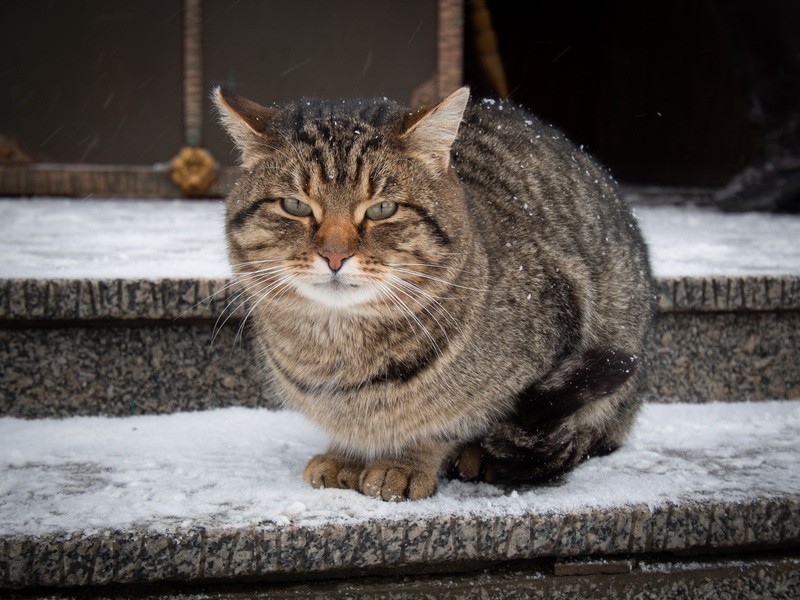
(539, 442)
(595, 374)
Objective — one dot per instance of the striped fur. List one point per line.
(492, 327)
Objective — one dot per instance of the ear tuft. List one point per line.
(431, 133)
(248, 123)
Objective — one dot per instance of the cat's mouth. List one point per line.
(336, 285)
(337, 292)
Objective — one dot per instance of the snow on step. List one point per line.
(130, 239)
(243, 467)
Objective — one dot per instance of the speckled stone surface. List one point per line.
(123, 370)
(722, 294)
(740, 355)
(119, 347)
(141, 299)
(764, 578)
(657, 578)
(114, 299)
(285, 552)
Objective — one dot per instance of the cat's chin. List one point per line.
(337, 294)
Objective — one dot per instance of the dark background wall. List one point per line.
(100, 81)
(679, 92)
(92, 80)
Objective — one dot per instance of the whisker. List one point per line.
(414, 320)
(434, 266)
(279, 283)
(440, 280)
(407, 311)
(207, 300)
(247, 274)
(247, 282)
(425, 308)
(233, 282)
(258, 262)
(261, 281)
(433, 299)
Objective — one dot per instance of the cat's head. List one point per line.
(345, 203)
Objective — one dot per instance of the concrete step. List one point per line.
(111, 307)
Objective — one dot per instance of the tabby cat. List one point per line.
(455, 290)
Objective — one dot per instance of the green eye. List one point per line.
(293, 206)
(382, 210)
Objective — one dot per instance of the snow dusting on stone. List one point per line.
(239, 467)
(108, 239)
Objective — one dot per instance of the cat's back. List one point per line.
(519, 165)
(549, 214)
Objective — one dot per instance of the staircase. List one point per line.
(112, 309)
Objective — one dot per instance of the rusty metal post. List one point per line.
(194, 170)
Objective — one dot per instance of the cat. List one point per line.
(450, 291)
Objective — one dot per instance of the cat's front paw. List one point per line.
(330, 470)
(396, 481)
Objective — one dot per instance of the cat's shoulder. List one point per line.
(495, 117)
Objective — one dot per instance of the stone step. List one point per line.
(753, 575)
(122, 347)
(218, 496)
(117, 307)
(111, 308)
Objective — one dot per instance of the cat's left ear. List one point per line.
(430, 133)
(248, 123)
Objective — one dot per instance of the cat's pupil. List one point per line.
(382, 210)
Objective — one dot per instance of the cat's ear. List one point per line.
(249, 124)
(430, 133)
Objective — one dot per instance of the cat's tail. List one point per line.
(583, 408)
(578, 382)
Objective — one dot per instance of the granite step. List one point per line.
(218, 496)
(658, 577)
(120, 307)
(112, 308)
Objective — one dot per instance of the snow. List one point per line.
(110, 239)
(686, 242)
(96, 239)
(239, 467)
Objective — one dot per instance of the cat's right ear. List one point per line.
(430, 132)
(248, 123)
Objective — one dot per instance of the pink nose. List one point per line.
(335, 259)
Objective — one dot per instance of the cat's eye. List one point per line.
(381, 210)
(295, 207)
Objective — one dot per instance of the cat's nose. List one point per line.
(335, 259)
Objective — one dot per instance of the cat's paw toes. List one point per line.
(468, 464)
(349, 476)
(328, 470)
(395, 482)
(471, 463)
